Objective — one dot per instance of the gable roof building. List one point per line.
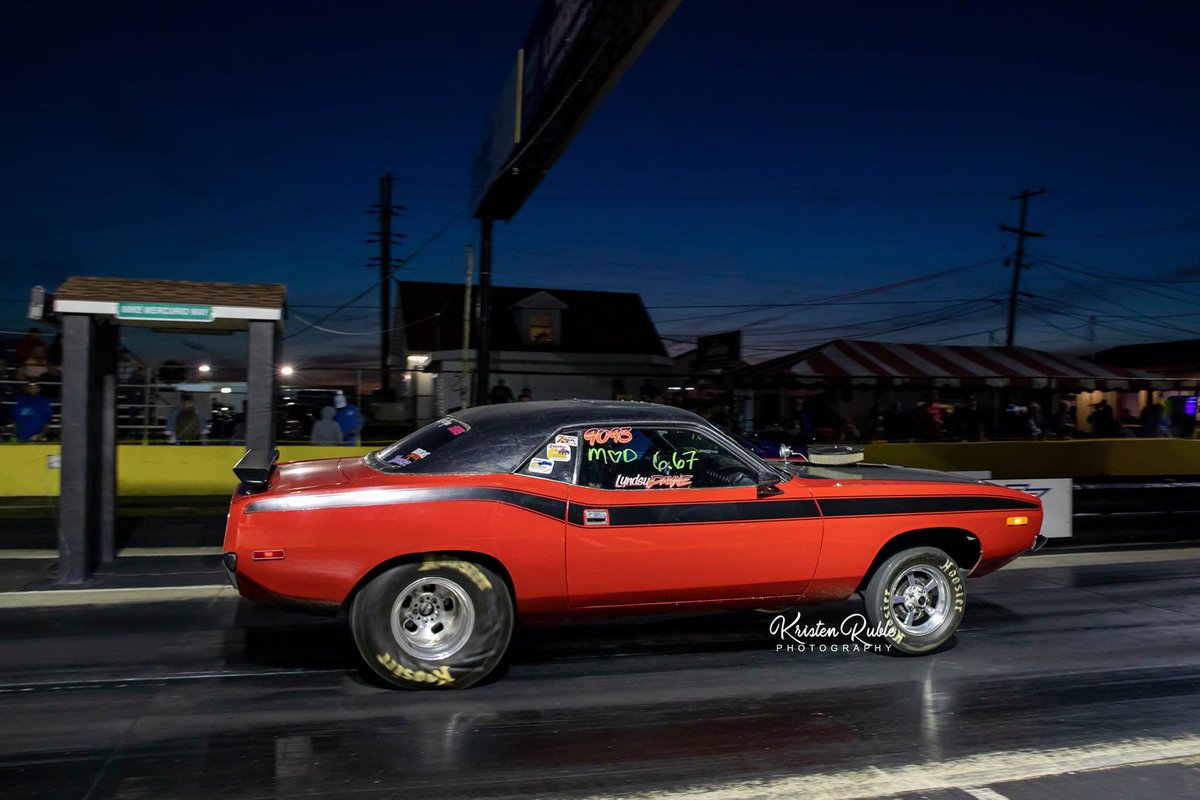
(549, 344)
(529, 319)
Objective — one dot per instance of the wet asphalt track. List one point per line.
(1090, 666)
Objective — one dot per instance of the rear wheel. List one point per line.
(916, 598)
(441, 623)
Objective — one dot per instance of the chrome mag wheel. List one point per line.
(432, 618)
(920, 599)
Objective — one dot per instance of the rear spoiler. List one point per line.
(255, 467)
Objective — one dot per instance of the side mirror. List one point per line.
(785, 452)
(768, 486)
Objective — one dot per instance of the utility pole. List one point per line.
(386, 239)
(1019, 258)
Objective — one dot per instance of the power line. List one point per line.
(1143, 232)
(1132, 284)
(354, 299)
(814, 302)
(437, 235)
(832, 299)
(1107, 275)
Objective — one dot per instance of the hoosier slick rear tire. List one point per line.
(917, 597)
(443, 623)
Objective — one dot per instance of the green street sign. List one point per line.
(166, 312)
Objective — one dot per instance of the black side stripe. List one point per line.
(658, 514)
(882, 506)
(685, 513)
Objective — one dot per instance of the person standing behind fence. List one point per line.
(187, 422)
(500, 393)
(26, 344)
(348, 417)
(326, 430)
(34, 365)
(32, 414)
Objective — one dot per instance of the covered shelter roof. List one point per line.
(1179, 358)
(869, 362)
(171, 305)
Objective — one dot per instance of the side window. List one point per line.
(556, 460)
(658, 458)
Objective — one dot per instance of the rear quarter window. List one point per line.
(431, 442)
(557, 460)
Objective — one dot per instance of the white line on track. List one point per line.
(91, 597)
(1047, 560)
(95, 683)
(984, 793)
(968, 773)
(128, 552)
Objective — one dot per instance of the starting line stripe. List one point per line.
(970, 772)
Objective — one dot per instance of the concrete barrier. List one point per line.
(31, 470)
(1076, 458)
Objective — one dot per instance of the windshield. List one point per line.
(422, 444)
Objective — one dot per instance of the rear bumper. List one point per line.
(254, 591)
(229, 562)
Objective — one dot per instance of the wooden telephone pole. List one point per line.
(387, 263)
(1019, 258)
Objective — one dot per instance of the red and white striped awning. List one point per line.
(851, 361)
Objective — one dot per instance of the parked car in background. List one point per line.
(296, 411)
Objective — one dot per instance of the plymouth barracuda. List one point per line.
(436, 546)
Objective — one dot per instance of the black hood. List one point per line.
(875, 472)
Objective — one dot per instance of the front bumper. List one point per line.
(1039, 542)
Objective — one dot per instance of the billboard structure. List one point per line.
(719, 351)
(574, 54)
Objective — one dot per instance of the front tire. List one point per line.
(443, 623)
(917, 597)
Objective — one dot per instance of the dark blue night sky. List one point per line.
(758, 154)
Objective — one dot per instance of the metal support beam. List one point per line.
(260, 386)
(107, 343)
(483, 359)
(77, 551)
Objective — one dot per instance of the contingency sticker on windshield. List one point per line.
(567, 440)
(541, 466)
(558, 452)
(424, 443)
(454, 426)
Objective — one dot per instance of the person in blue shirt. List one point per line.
(348, 417)
(32, 414)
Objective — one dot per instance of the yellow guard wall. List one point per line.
(27, 470)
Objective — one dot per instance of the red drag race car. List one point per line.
(439, 543)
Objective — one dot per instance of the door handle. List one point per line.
(595, 516)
